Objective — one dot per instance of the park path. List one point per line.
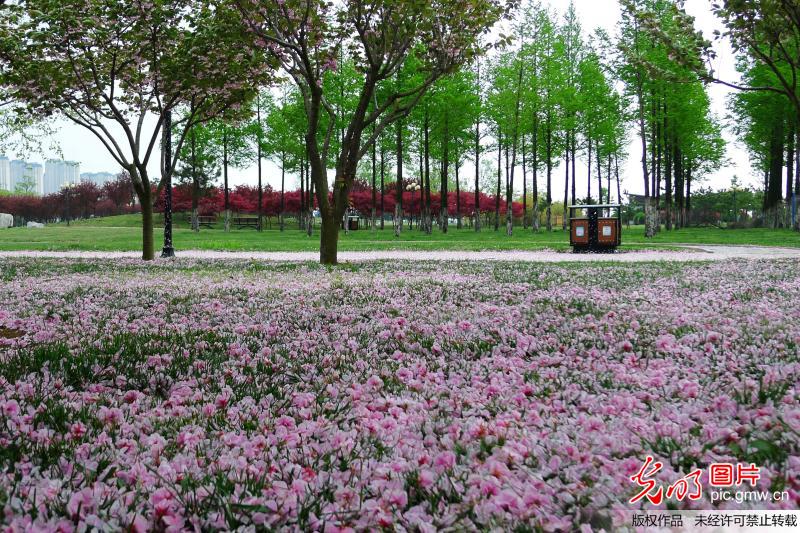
(691, 253)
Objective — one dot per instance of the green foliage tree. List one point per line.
(306, 36)
(110, 65)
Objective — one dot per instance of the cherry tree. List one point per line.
(309, 37)
(118, 68)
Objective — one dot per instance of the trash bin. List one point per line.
(595, 228)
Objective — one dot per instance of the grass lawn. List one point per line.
(122, 233)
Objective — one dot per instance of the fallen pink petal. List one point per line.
(217, 394)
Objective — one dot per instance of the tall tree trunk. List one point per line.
(772, 198)
(195, 185)
(797, 175)
(524, 187)
(616, 176)
(649, 231)
(226, 187)
(310, 217)
(374, 190)
(608, 179)
(428, 222)
(680, 200)
(166, 141)
(656, 147)
(599, 163)
(444, 210)
(383, 189)
(535, 184)
(549, 199)
(668, 180)
(398, 206)
(566, 183)
(688, 173)
(301, 211)
(789, 169)
(509, 222)
(477, 213)
(459, 223)
(588, 174)
(258, 155)
(499, 178)
(283, 189)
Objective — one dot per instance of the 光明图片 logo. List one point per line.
(721, 478)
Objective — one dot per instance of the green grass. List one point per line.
(123, 233)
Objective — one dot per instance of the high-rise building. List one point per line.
(59, 173)
(98, 178)
(5, 174)
(26, 177)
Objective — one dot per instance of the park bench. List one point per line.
(245, 222)
(207, 220)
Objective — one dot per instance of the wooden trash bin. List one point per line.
(595, 228)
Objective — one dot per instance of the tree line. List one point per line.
(373, 92)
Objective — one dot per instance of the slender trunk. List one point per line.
(398, 206)
(789, 162)
(772, 198)
(616, 176)
(383, 189)
(599, 163)
(302, 209)
(477, 213)
(588, 175)
(524, 187)
(374, 190)
(797, 175)
(535, 184)
(283, 190)
(428, 223)
(668, 164)
(499, 177)
(226, 187)
(444, 211)
(459, 223)
(310, 217)
(258, 155)
(648, 228)
(549, 162)
(195, 185)
(166, 140)
(656, 149)
(608, 179)
(509, 193)
(566, 183)
(688, 174)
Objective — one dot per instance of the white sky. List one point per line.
(79, 145)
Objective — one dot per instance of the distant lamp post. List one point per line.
(412, 187)
(67, 188)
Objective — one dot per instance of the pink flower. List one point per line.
(397, 498)
(445, 460)
(10, 408)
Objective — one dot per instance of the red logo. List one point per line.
(689, 486)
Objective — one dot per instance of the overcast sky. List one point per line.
(80, 145)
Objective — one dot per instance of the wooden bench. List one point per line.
(207, 221)
(245, 222)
